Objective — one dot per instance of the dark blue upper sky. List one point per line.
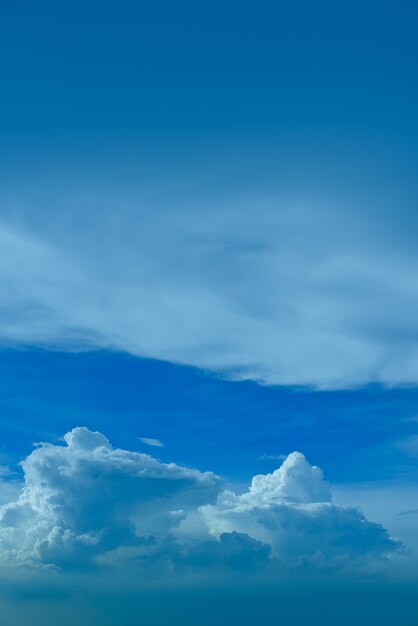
(152, 81)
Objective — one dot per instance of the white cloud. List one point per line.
(150, 441)
(291, 510)
(250, 288)
(85, 502)
(10, 488)
(85, 498)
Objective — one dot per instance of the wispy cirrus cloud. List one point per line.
(283, 292)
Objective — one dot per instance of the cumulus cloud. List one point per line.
(84, 498)
(296, 292)
(291, 510)
(85, 503)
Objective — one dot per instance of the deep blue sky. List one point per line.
(202, 420)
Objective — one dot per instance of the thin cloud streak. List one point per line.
(150, 441)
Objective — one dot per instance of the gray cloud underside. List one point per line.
(86, 504)
(301, 292)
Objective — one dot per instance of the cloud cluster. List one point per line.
(85, 503)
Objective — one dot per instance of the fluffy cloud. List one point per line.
(291, 510)
(85, 498)
(87, 503)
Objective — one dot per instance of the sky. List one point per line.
(208, 329)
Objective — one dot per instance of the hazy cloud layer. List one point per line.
(317, 292)
(85, 503)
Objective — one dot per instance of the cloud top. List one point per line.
(295, 481)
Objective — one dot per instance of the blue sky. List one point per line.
(208, 240)
(203, 420)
